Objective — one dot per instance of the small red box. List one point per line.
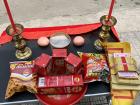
(73, 64)
(43, 64)
(60, 84)
(58, 61)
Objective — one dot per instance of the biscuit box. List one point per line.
(58, 57)
(67, 84)
(73, 64)
(43, 64)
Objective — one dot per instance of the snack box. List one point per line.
(43, 64)
(58, 57)
(73, 64)
(67, 84)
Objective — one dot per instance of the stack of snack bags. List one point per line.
(125, 79)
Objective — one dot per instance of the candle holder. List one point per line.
(22, 51)
(104, 34)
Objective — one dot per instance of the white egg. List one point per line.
(78, 41)
(43, 41)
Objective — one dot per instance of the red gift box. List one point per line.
(58, 61)
(73, 64)
(68, 84)
(43, 64)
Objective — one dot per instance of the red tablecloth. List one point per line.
(35, 33)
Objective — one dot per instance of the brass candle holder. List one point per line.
(105, 32)
(22, 51)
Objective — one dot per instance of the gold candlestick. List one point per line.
(22, 51)
(104, 34)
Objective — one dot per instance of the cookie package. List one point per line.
(22, 78)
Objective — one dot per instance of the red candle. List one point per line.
(10, 15)
(111, 9)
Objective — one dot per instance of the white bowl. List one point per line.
(60, 40)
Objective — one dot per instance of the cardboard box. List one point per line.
(68, 84)
(73, 64)
(43, 64)
(58, 61)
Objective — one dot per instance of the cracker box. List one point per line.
(58, 61)
(43, 64)
(73, 64)
(67, 84)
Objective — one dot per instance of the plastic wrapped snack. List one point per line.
(23, 77)
(95, 67)
(124, 63)
(116, 47)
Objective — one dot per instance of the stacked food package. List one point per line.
(125, 79)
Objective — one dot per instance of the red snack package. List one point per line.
(58, 61)
(73, 64)
(43, 64)
(95, 67)
(22, 78)
(60, 84)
